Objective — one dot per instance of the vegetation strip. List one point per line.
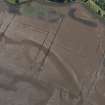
(96, 6)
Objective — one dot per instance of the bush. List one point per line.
(99, 12)
(84, 0)
(104, 15)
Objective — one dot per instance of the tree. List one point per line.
(101, 3)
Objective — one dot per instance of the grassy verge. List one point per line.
(94, 7)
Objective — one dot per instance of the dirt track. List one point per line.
(71, 73)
